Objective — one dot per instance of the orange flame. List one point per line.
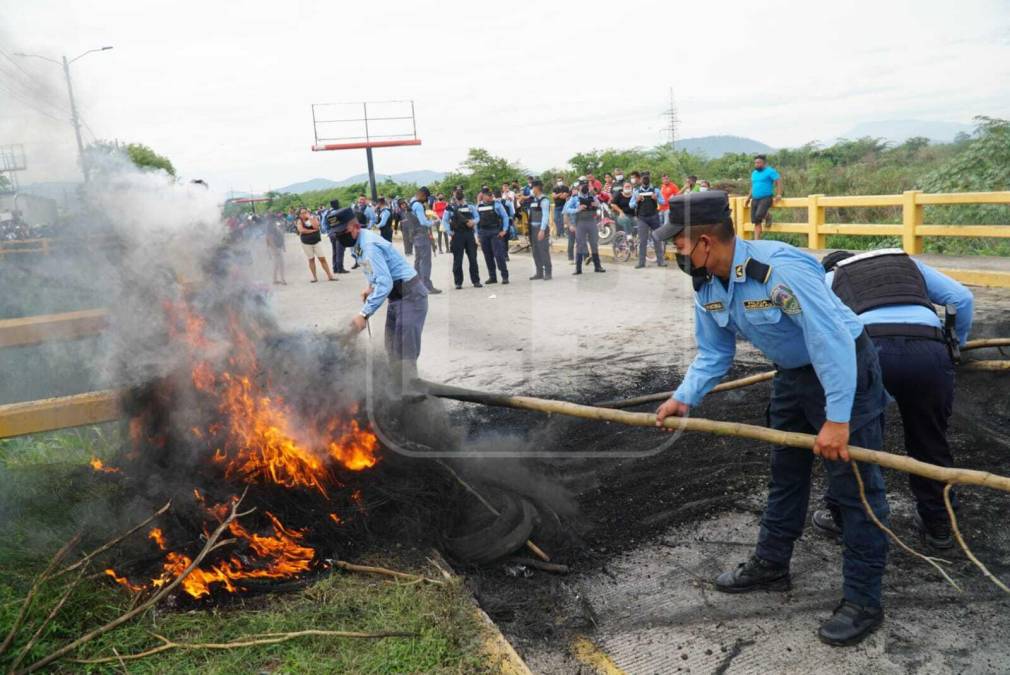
(99, 465)
(157, 536)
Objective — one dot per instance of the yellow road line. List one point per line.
(587, 653)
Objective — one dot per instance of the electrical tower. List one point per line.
(671, 121)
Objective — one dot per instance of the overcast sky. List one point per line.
(224, 88)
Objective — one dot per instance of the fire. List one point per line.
(99, 465)
(277, 556)
(157, 537)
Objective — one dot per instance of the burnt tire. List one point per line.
(505, 534)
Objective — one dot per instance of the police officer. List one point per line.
(646, 199)
(539, 210)
(459, 221)
(827, 383)
(328, 221)
(383, 218)
(400, 217)
(582, 209)
(893, 295)
(366, 216)
(416, 220)
(492, 228)
(389, 277)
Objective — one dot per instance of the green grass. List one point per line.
(43, 493)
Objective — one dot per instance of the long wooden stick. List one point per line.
(251, 641)
(964, 545)
(765, 376)
(773, 436)
(368, 569)
(663, 395)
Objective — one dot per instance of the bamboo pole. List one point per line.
(986, 365)
(987, 342)
(792, 439)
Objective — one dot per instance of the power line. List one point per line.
(30, 104)
(31, 90)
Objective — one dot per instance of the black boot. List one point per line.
(752, 575)
(850, 624)
(578, 264)
(597, 267)
(538, 275)
(935, 534)
(828, 522)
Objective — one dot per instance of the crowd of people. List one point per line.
(462, 224)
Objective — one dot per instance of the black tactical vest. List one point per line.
(488, 218)
(649, 206)
(331, 218)
(459, 215)
(587, 216)
(879, 278)
(409, 218)
(536, 211)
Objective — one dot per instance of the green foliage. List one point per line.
(478, 169)
(140, 155)
(144, 157)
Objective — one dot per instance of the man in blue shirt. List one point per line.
(581, 208)
(417, 222)
(383, 215)
(539, 211)
(327, 220)
(827, 383)
(459, 222)
(893, 295)
(390, 277)
(646, 199)
(492, 228)
(765, 190)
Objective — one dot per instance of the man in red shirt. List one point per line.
(594, 183)
(668, 189)
(439, 208)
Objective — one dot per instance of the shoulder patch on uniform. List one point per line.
(738, 271)
(782, 296)
(758, 304)
(758, 271)
(714, 306)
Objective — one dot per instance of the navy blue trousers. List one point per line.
(494, 250)
(797, 404)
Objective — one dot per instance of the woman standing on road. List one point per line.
(308, 232)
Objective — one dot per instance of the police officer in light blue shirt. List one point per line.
(460, 221)
(893, 295)
(827, 383)
(383, 215)
(418, 223)
(390, 277)
(492, 228)
(539, 211)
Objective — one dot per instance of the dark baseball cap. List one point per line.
(695, 208)
(344, 217)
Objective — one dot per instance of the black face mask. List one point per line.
(698, 273)
(347, 239)
(584, 189)
(459, 195)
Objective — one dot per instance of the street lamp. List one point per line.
(70, 91)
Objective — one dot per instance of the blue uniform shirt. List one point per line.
(545, 211)
(447, 219)
(383, 217)
(660, 199)
(323, 227)
(790, 315)
(762, 183)
(418, 209)
(572, 205)
(941, 289)
(382, 265)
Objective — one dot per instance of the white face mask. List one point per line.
(703, 188)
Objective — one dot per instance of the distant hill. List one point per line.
(714, 147)
(899, 131)
(416, 177)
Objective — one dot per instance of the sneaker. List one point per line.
(753, 575)
(536, 276)
(504, 282)
(824, 522)
(850, 624)
(935, 534)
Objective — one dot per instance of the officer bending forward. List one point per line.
(827, 383)
(389, 276)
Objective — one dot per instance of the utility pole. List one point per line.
(672, 121)
(74, 120)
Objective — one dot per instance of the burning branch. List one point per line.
(211, 545)
(250, 641)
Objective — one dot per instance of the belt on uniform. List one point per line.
(863, 338)
(400, 286)
(908, 330)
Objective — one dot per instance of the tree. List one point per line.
(144, 157)
(481, 168)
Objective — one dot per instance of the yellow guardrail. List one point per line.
(911, 230)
